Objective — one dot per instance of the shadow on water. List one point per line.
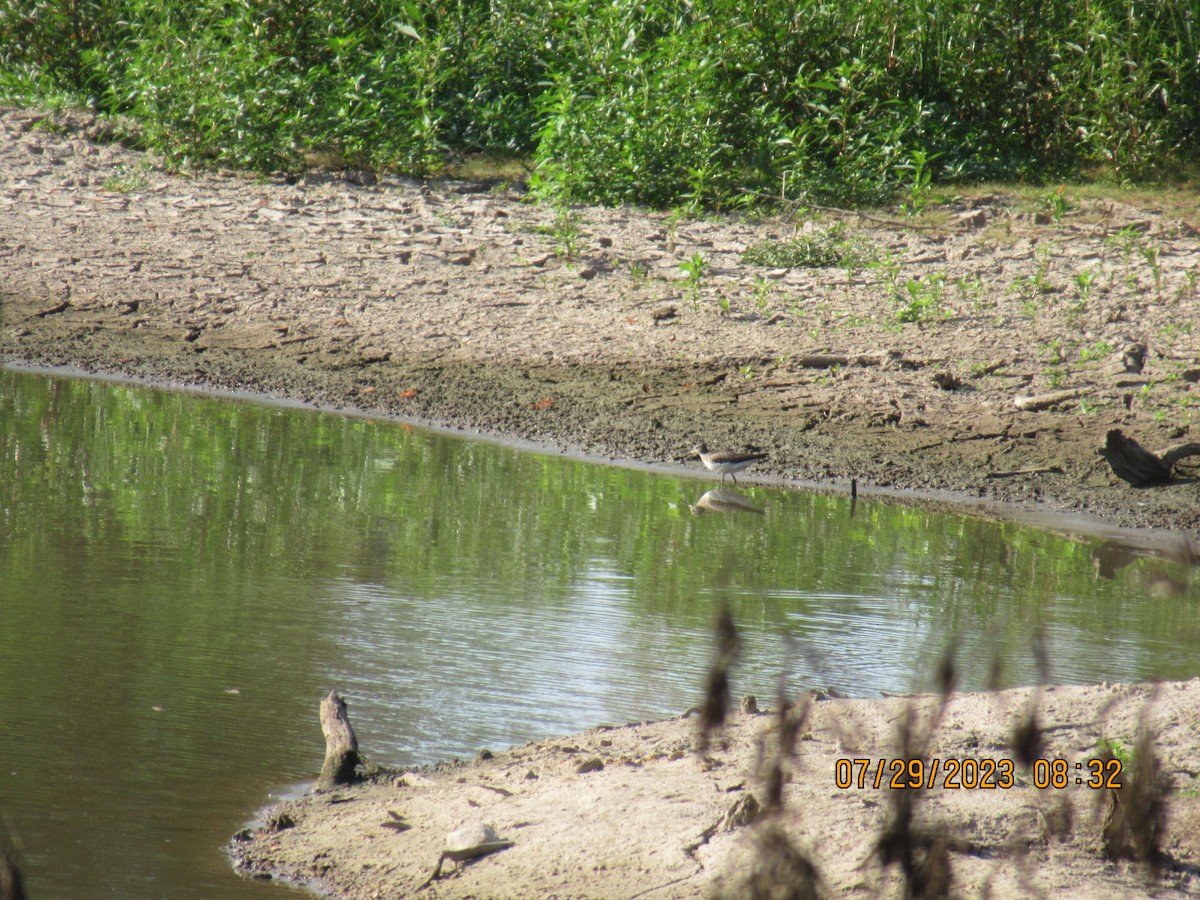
(182, 578)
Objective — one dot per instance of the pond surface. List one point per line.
(182, 578)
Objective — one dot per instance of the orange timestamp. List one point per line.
(1093, 773)
(968, 773)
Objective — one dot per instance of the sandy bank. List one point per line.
(634, 811)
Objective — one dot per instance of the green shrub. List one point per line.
(657, 101)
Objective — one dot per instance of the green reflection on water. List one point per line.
(181, 579)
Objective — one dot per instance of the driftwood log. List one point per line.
(1038, 402)
(341, 745)
(1132, 462)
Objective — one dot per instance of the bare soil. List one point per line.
(635, 811)
(458, 303)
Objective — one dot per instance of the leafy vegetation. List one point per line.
(567, 236)
(1104, 747)
(816, 250)
(1097, 351)
(655, 102)
(694, 270)
(126, 181)
(921, 299)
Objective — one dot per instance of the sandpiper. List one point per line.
(726, 462)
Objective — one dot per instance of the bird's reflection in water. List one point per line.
(1164, 573)
(723, 500)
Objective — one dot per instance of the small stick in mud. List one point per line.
(1037, 470)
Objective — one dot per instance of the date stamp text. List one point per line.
(969, 773)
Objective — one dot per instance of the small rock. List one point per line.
(947, 381)
(473, 835)
(741, 813)
(280, 822)
(589, 765)
(1134, 357)
(974, 218)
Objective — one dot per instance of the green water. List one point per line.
(182, 578)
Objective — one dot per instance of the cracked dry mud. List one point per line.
(458, 303)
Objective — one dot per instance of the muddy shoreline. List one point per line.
(636, 811)
(461, 304)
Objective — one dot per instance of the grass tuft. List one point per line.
(818, 250)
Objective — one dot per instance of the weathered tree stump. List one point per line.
(1039, 402)
(1132, 462)
(341, 746)
(1172, 456)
